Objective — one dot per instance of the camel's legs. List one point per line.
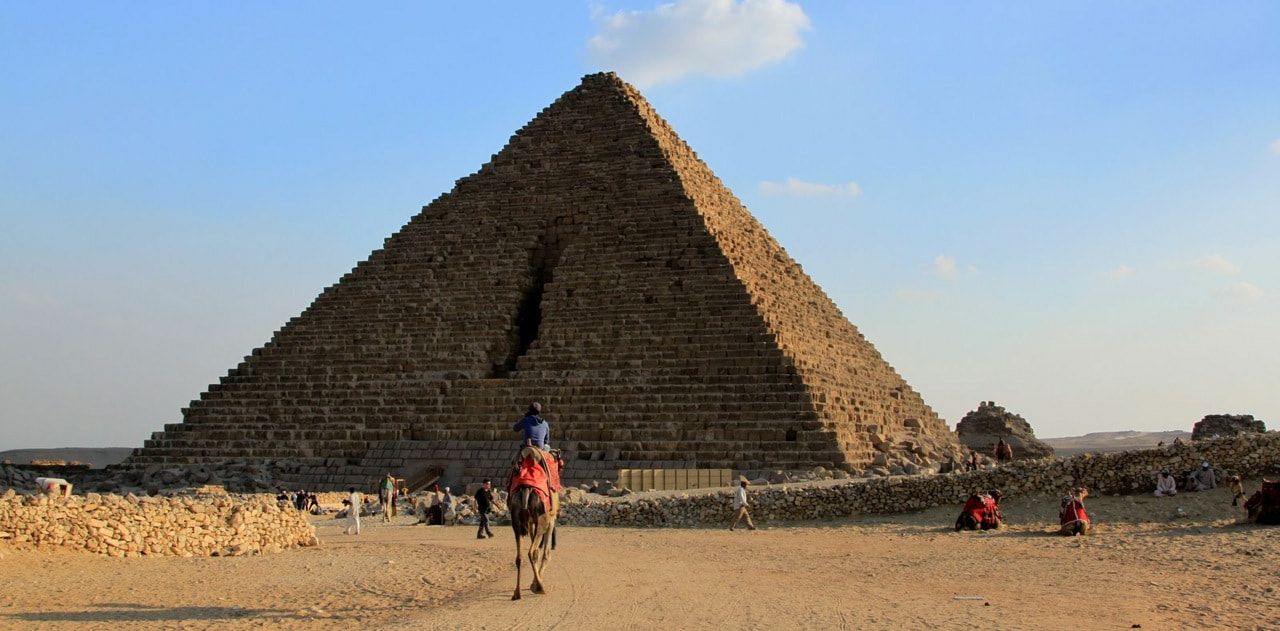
(536, 542)
(548, 544)
(516, 596)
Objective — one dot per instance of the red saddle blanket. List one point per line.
(529, 472)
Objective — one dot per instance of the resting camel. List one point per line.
(530, 518)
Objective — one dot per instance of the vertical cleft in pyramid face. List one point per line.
(595, 264)
(528, 318)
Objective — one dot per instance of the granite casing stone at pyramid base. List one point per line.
(595, 265)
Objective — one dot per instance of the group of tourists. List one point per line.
(301, 500)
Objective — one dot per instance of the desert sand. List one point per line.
(1146, 565)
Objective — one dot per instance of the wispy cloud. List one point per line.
(1216, 263)
(718, 38)
(945, 267)
(801, 188)
(1120, 273)
(1245, 292)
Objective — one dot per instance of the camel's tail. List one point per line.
(521, 522)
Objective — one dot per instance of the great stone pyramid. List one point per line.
(595, 265)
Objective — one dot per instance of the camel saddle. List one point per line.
(540, 471)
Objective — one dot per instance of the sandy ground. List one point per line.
(1146, 565)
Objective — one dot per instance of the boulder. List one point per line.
(980, 429)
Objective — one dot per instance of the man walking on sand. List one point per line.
(353, 512)
(484, 503)
(740, 509)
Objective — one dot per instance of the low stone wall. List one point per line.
(169, 526)
(1121, 472)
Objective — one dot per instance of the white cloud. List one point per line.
(945, 267)
(1245, 292)
(801, 188)
(1121, 272)
(1275, 146)
(1216, 263)
(719, 38)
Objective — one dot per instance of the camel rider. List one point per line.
(536, 430)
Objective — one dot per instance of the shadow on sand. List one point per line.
(126, 612)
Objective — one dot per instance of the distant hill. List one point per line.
(1103, 442)
(99, 457)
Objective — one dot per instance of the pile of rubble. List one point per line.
(1219, 425)
(203, 524)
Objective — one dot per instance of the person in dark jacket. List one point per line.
(484, 504)
(535, 430)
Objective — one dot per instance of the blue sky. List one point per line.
(1072, 209)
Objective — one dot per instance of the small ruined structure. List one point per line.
(1219, 425)
(980, 429)
(597, 266)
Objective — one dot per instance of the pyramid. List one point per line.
(597, 266)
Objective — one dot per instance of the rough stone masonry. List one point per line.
(125, 526)
(596, 265)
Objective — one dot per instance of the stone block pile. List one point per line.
(127, 526)
(1219, 425)
(982, 428)
(1120, 472)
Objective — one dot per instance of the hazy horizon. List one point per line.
(1072, 210)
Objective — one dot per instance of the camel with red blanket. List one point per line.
(1072, 518)
(534, 502)
(1263, 507)
(981, 511)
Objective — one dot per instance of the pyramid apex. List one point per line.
(608, 80)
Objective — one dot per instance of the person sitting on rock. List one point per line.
(1072, 518)
(536, 432)
(1166, 486)
(1202, 479)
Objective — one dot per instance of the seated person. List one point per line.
(1072, 518)
(1166, 486)
(535, 430)
(1202, 479)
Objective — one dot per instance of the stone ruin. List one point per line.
(980, 429)
(596, 265)
(1220, 425)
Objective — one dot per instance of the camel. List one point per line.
(530, 518)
